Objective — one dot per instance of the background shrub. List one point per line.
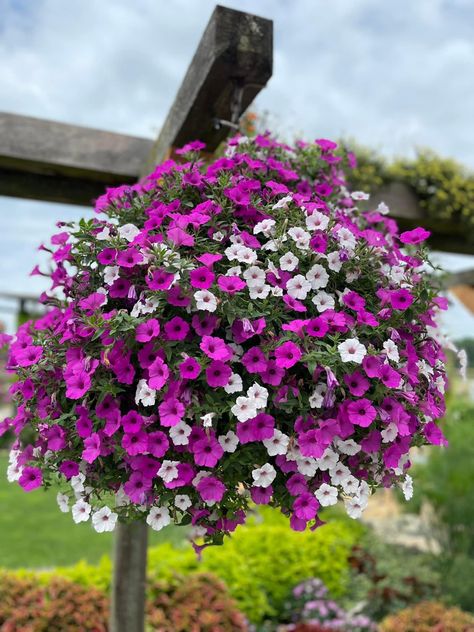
(429, 617)
(58, 606)
(198, 603)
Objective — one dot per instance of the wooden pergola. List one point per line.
(57, 162)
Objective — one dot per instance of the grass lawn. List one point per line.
(35, 534)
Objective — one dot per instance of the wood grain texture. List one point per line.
(235, 49)
(46, 160)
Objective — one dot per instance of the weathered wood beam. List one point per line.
(447, 236)
(235, 51)
(56, 162)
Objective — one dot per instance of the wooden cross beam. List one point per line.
(50, 161)
(446, 235)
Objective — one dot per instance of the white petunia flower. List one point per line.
(300, 237)
(364, 491)
(182, 502)
(339, 473)
(246, 255)
(234, 271)
(104, 234)
(277, 291)
(289, 262)
(355, 506)
(244, 408)
(260, 291)
(317, 276)
(316, 399)
(346, 239)
(229, 441)
(283, 202)
(266, 227)
(317, 221)
(391, 350)
(77, 482)
(307, 465)
(205, 300)
(334, 261)
(351, 350)
(326, 495)
(349, 446)
(168, 471)
(179, 434)
(128, 232)
(111, 274)
(254, 276)
(264, 476)
(407, 487)
(350, 485)
(104, 520)
(258, 394)
(158, 517)
(278, 444)
(218, 236)
(383, 209)
(323, 301)
(144, 394)
(389, 433)
(63, 502)
(14, 472)
(298, 287)
(234, 385)
(328, 460)
(232, 252)
(81, 511)
(207, 420)
(359, 195)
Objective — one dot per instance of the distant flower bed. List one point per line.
(228, 333)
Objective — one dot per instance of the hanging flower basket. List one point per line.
(229, 333)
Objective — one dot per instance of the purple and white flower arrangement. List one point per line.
(229, 332)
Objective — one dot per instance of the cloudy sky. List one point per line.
(393, 75)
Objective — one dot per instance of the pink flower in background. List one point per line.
(159, 373)
(400, 299)
(207, 452)
(415, 236)
(160, 280)
(231, 284)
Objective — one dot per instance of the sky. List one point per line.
(392, 75)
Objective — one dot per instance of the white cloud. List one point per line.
(394, 75)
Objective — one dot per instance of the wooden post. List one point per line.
(127, 612)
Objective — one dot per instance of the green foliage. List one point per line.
(429, 617)
(444, 187)
(261, 563)
(457, 581)
(198, 603)
(389, 577)
(445, 481)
